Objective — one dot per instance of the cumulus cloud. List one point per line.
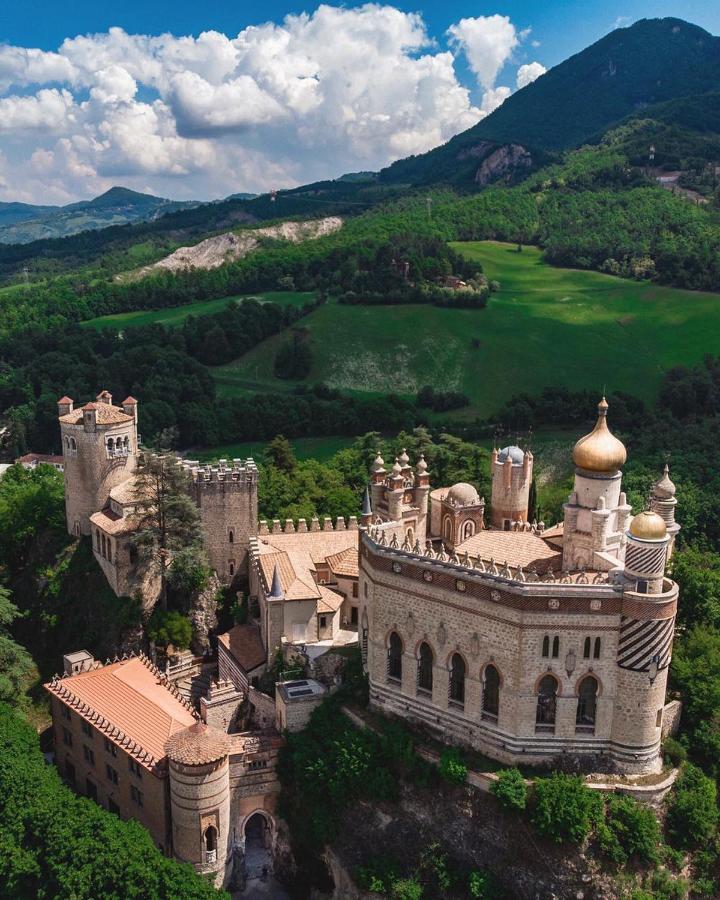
(278, 104)
(527, 73)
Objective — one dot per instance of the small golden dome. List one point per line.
(600, 451)
(648, 526)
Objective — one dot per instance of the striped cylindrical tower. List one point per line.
(199, 772)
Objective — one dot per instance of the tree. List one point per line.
(510, 789)
(170, 627)
(30, 500)
(15, 662)
(693, 813)
(564, 809)
(168, 520)
(698, 575)
(630, 830)
(280, 453)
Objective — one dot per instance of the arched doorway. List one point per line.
(258, 845)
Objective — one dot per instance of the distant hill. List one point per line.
(21, 223)
(654, 61)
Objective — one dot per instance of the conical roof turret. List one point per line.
(276, 588)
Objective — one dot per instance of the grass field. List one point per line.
(176, 315)
(305, 448)
(546, 326)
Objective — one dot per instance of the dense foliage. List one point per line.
(57, 844)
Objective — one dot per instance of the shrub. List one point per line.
(564, 809)
(482, 885)
(693, 813)
(406, 889)
(510, 789)
(633, 831)
(452, 768)
(674, 752)
(169, 627)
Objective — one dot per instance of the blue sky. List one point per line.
(203, 99)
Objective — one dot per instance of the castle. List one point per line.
(524, 642)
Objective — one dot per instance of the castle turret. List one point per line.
(596, 512)
(99, 446)
(511, 479)
(199, 774)
(366, 515)
(663, 502)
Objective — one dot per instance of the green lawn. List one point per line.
(176, 315)
(546, 326)
(305, 448)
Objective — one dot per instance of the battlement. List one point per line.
(238, 471)
(288, 527)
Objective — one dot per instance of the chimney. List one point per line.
(129, 406)
(90, 416)
(65, 405)
(104, 397)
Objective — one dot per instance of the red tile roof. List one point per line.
(245, 645)
(198, 745)
(105, 414)
(344, 563)
(516, 548)
(130, 704)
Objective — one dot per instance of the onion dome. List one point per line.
(397, 468)
(463, 494)
(515, 454)
(664, 489)
(648, 526)
(198, 745)
(379, 464)
(421, 466)
(404, 459)
(600, 451)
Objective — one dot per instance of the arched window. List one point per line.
(546, 704)
(586, 648)
(425, 669)
(491, 694)
(210, 841)
(468, 529)
(231, 567)
(546, 646)
(67, 443)
(394, 657)
(73, 445)
(556, 647)
(110, 446)
(457, 679)
(231, 536)
(596, 650)
(447, 529)
(587, 705)
(126, 443)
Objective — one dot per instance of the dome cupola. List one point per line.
(648, 526)
(600, 451)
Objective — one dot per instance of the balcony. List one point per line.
(209, 856)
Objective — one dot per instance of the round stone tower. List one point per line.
(663, 501)
(511, 478)
(647, 624)
(199, 771)
(99, 447)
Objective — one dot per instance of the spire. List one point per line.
(367, 506)
(276, 590)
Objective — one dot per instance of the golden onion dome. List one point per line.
(600, 451)
(648, 526)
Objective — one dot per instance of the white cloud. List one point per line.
(276, 105)
(488, 42)
(528, 73)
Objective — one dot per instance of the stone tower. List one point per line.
(663, 502)
(596, 512)
(226, 496)
(402, 495)
(511, 479)
(199, 773)
(647, 622)
(100, 447)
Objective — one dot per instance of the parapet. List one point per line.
(288, 527)
(238, 471)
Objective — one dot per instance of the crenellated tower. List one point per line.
(402, 494)
(511, 472)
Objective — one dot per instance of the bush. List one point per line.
(169, 627)
(564, 809)
(482, 886)
(674, 752)
(510, 789)
(693, 814)
(406, 889)
(452, 768)
(630, 830)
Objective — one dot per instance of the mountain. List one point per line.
(652, 62)
(21, 223)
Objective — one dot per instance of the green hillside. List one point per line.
(546, 326)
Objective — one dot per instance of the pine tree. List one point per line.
(168, 520)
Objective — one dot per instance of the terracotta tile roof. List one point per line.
(128, 703)
(198, 745)
(105, 414)
(111, 523)
(319, 544)
(329, 602)
(244, 643)
(295, 571)
(40, 458)
(66, 399)
(344, 563)
(516, 548)
(127, 493)
(129, 401)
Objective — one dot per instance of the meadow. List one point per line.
(545, 326)
(176, 315)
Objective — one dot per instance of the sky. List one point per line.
(196, 100)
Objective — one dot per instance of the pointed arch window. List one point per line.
(546, 705)
(394, 657)
(210, 841)
(546, 646)
(586, 648)
(491, 694)
(231, 536)
(457, 680)
(587, 705)
(596, 649)
(556, 647)
(425, 669)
